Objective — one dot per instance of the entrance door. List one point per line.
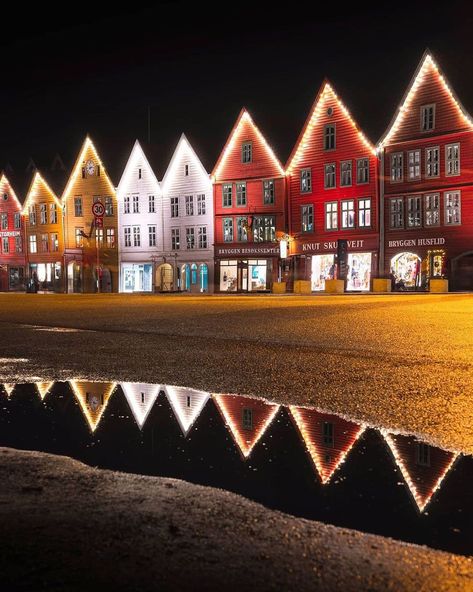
(243, 276)
(462, 272)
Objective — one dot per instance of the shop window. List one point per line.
(452, 159)
(432, 209)
(204, 278)
(364, 213)
(396, 212)
(432, 162)
(362, 171)
(323, 268)
(306, 180)
(345, 173)
(228, 276)
(348, 213)
(397, 164)
(329, 136)
(452, 207)
(268, 192)
(427, 118)
(307, 218)
(331, 215)
(258, 272)
(329, 176)
(414, 211)
(358, 272)
(406, 271)
(413, 165)
(194, 274)
(247, 418)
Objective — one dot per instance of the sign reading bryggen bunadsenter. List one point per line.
(250, 250)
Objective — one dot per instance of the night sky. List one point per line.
(95, 71)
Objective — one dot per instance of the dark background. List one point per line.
(83, 69)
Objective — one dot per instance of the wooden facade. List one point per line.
(12, 240)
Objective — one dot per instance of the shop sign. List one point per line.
(247, 251)
(416, 242)
(10, 233)
(332, 246)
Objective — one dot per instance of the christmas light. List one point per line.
(187, 405)
(137, 155)
(92, 410)
(183, 147)
(141, 398)
(4, 181)
(43, 388)
(33, 192)
(9, 388)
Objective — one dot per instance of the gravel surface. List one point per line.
(400, 361)
(66, 526)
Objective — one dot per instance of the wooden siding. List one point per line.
(141, 398)
(10, 205)
(187, 405)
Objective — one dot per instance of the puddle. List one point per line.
(302, 461)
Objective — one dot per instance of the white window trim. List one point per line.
(409, 178)
(422, 107)
(447, 146)
(425, 161)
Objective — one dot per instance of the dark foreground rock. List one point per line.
(66, 526)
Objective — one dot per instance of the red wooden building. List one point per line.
(427, 185)
(249, 198)
(12, 244)
(333, 195)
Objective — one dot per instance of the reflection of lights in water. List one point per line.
(94, 400)
(43, 388)
(9, 388)
(187, 405)
(140, 397)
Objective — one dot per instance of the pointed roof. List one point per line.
(422, 480)
(9, 388)
(4, 180)
(32, 191)
(232, 407)
(93, 398)
(141, 397)
(244, 118)
(326, 93)
(43, 388)
(136, 153)
(326, 458)
(187, 405)
(183, 144)
(427, 65)
(86, 146)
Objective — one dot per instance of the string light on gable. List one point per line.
(137, 157)
(33, 192)
(91, 407)
(4, 181)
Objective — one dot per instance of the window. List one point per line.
(32, 215)
(152, 236)
(79, 234)
(78, 206)
(242, 229)
(188, 401)
(414, 211)
(264, 229)
(227, 191)
(108, 206)
(175, 239)
(331, 215)
(43, 213)
(201, 204)
(364, 213)
(452, 207)
(190, 238)
(202, 237)
(432, 209)
(174, 207)
(452, 159)
(189, 199)
(4, 221)
(151, 204)
(432, 164)
(99, 238)
(186, 170)
(268, 192)
(397, 167)
(33, 247)
(136, 204)
(427, 118)
(241, 194)
(52, 213)
(228, 230)
(328, 433)
(110, 234)
(126, 204)
(54, 242)
(127, 236)
(247, 418)
(345, 173)
(5, 244)
(413, 165)
(396, 212)
(307, 218)
(139, 173)
(18, 244)
(348, 214)
(306, 180)
(423, 454)
(329, 179)
(362, 171)
(246, 152)
(329, 137)
(17, 220)
(136, 236)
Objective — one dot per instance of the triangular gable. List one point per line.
(93, 398)
(187, 405)
(182, 147)
(34, 189)
(428, 82)
(141, 398)
(87, 147)
(422, 481)
(9, 388)
(232, 409)
(5, 182)
(326, 458)
(43, 388)
(325, 95)
(137, 154)
(265, 163)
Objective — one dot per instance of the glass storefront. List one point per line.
(406, 269)
(16, 278)
(137, 277)
(249, 275)
(323, 268)
(48, 275)
(257, 275)
(228, 276)
(358, 272)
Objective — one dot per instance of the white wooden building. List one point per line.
(141, 397)
(187, 405)
(187, 231)
(139, 224)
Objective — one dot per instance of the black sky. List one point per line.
(96, 71)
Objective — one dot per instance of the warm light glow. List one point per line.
(127, 181)
(187, 405)
(43, 388)
(235, 135)
(34, 190)
(141, 398)
(93, 416)
(9, 388)
(5, 181)
(174, 167)
(327, 94)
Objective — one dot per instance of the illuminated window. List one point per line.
(329, 136)
(18, 244)
(306, 180)
(268, 192)
(227, 191)
(32, 215)
(126, 204)
(452, 159)
(175, 239)
(246, 152)
(52, 213)
(44, 243)
(79, 234)
(43, 214)
(78, 206)
(397, 165)
(4, 221)
(242, 229)
(423, 454)
(151, 204)
(110, 234)
(247, 418)
(152, 236)
(348, 213)
(5, 244)
(241, 194)
(432, 162)
(201, 204)
(17, 220)
(99, 237)
(331, 215)
(202, 237)
(432, 209)
(413, 165)
(136, 204)
(109, 206)
(228, 230)
(190, 238)
(452, 207)
(189, 199)
(329, 177)
(264, 229)
(414, 211)
(396, 212)
(54, 242)
(345, 173)
(427, 118)
(364, 213)
(33, 246)
(362, 171)
(127, 236)
(328, 433)
(174, 207)
(307, 218)
(136, 236)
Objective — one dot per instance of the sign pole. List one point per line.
(98, 210)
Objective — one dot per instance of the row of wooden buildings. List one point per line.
(341, 208)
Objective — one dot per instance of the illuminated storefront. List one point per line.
(137, 277)
(250, 273)
(323, 268)
(48, 275)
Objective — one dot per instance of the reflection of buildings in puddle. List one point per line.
(246, 418)
(141, 398)
(93, 398)
(43, 388)
(328, 438)
(9, 387)
(187, 405)
(422, 466)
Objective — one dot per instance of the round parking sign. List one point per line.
(98, 209)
